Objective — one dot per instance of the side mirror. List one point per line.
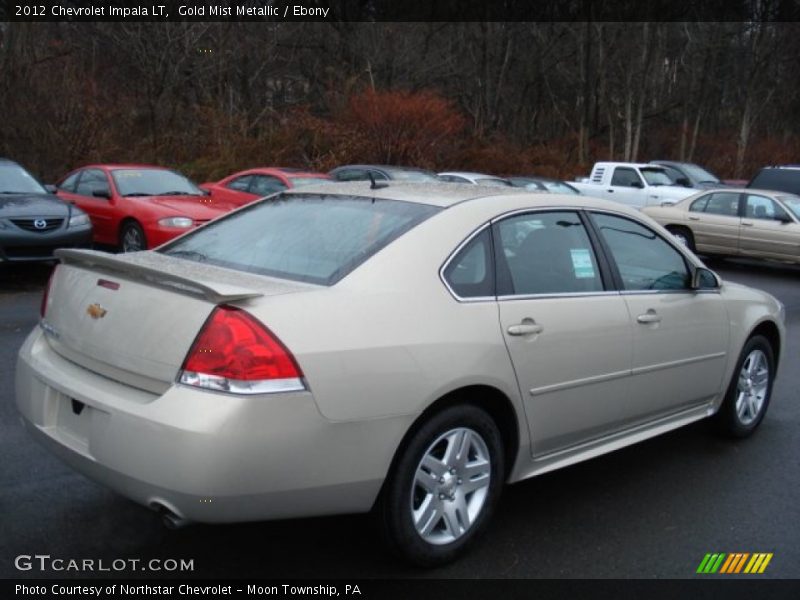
(783, 218)
(683, 181)
(51, 189)
(102, 192)
(704, 279)
(637, 184)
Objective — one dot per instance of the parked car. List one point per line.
(405, 349)
(33, 221)
(245, 186)
(736, 222)
(634, 184)
(135, 207)
(473, 178)
(543, 184)
(381, 173)
(781, 179)
(689, 174)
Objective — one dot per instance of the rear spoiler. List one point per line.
(131, 266)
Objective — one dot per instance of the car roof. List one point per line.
(8, 161)
(445, 194)
(120, 166)
(380, 168)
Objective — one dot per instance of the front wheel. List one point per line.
(749, 392)
(131, 237)
(443, 487)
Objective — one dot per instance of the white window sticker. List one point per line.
(582, 263)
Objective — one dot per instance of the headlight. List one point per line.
(78, 220)
(182, 222)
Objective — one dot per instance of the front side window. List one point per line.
(264, 185)
(350, 175)
(656, 177)
(700, 204)
(240, 184)
(761, 207)
(645, 260)
(625, 177)
(471, 274)
(545, 253)
(302, 237)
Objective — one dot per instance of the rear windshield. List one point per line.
(781, 180)
(303, 237)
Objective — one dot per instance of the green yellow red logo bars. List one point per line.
(735, 562)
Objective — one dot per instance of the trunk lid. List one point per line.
(133, 317)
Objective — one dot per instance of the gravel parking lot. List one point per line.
(651, 510)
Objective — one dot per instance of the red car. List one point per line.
(245, 186)
(136, 207)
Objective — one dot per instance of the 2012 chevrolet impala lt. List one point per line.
(402, 348)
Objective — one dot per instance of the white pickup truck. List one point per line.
(634, 184)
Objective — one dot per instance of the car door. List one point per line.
(626, 187)
(680, 335)
(768, 230)
(567, 333)
(100, 209)
(715, 223)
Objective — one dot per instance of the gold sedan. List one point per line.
(736, 222)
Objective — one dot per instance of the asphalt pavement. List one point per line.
(652, 510)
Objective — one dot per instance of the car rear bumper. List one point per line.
(31, 247)
(206, 457)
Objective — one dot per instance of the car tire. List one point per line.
(749, 392)
(437, 500)
(684, 236)
(131, 237)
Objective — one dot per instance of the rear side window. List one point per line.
(471, 274)
(313, 238)
(545, 253)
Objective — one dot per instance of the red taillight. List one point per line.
(43, 307)
(236, 353)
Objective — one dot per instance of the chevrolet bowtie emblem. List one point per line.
(96, 311)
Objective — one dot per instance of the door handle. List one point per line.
(747, 224)
(694, 218)
(650, 316)
(527, 327)
(610, 191)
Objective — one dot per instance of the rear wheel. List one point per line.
(749, 392)
(131, 237)
(683, 235)
(443, 487)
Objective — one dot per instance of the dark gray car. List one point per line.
(690, 174)
(34, 222)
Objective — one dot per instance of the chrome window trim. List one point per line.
(452, 256)
(556, 295)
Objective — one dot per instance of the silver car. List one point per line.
(407, 350)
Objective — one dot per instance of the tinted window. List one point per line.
(784, 180)
(493, 181)
(264, 185)
(723, 203)
(545, 253)
(470, 273)
(313, 238)
(626, 177)
(761, 207)
(645, 261)
(152, 182)
(68, 185)
(91, 180)
(240, 184)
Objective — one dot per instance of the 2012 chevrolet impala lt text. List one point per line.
(401, 348)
